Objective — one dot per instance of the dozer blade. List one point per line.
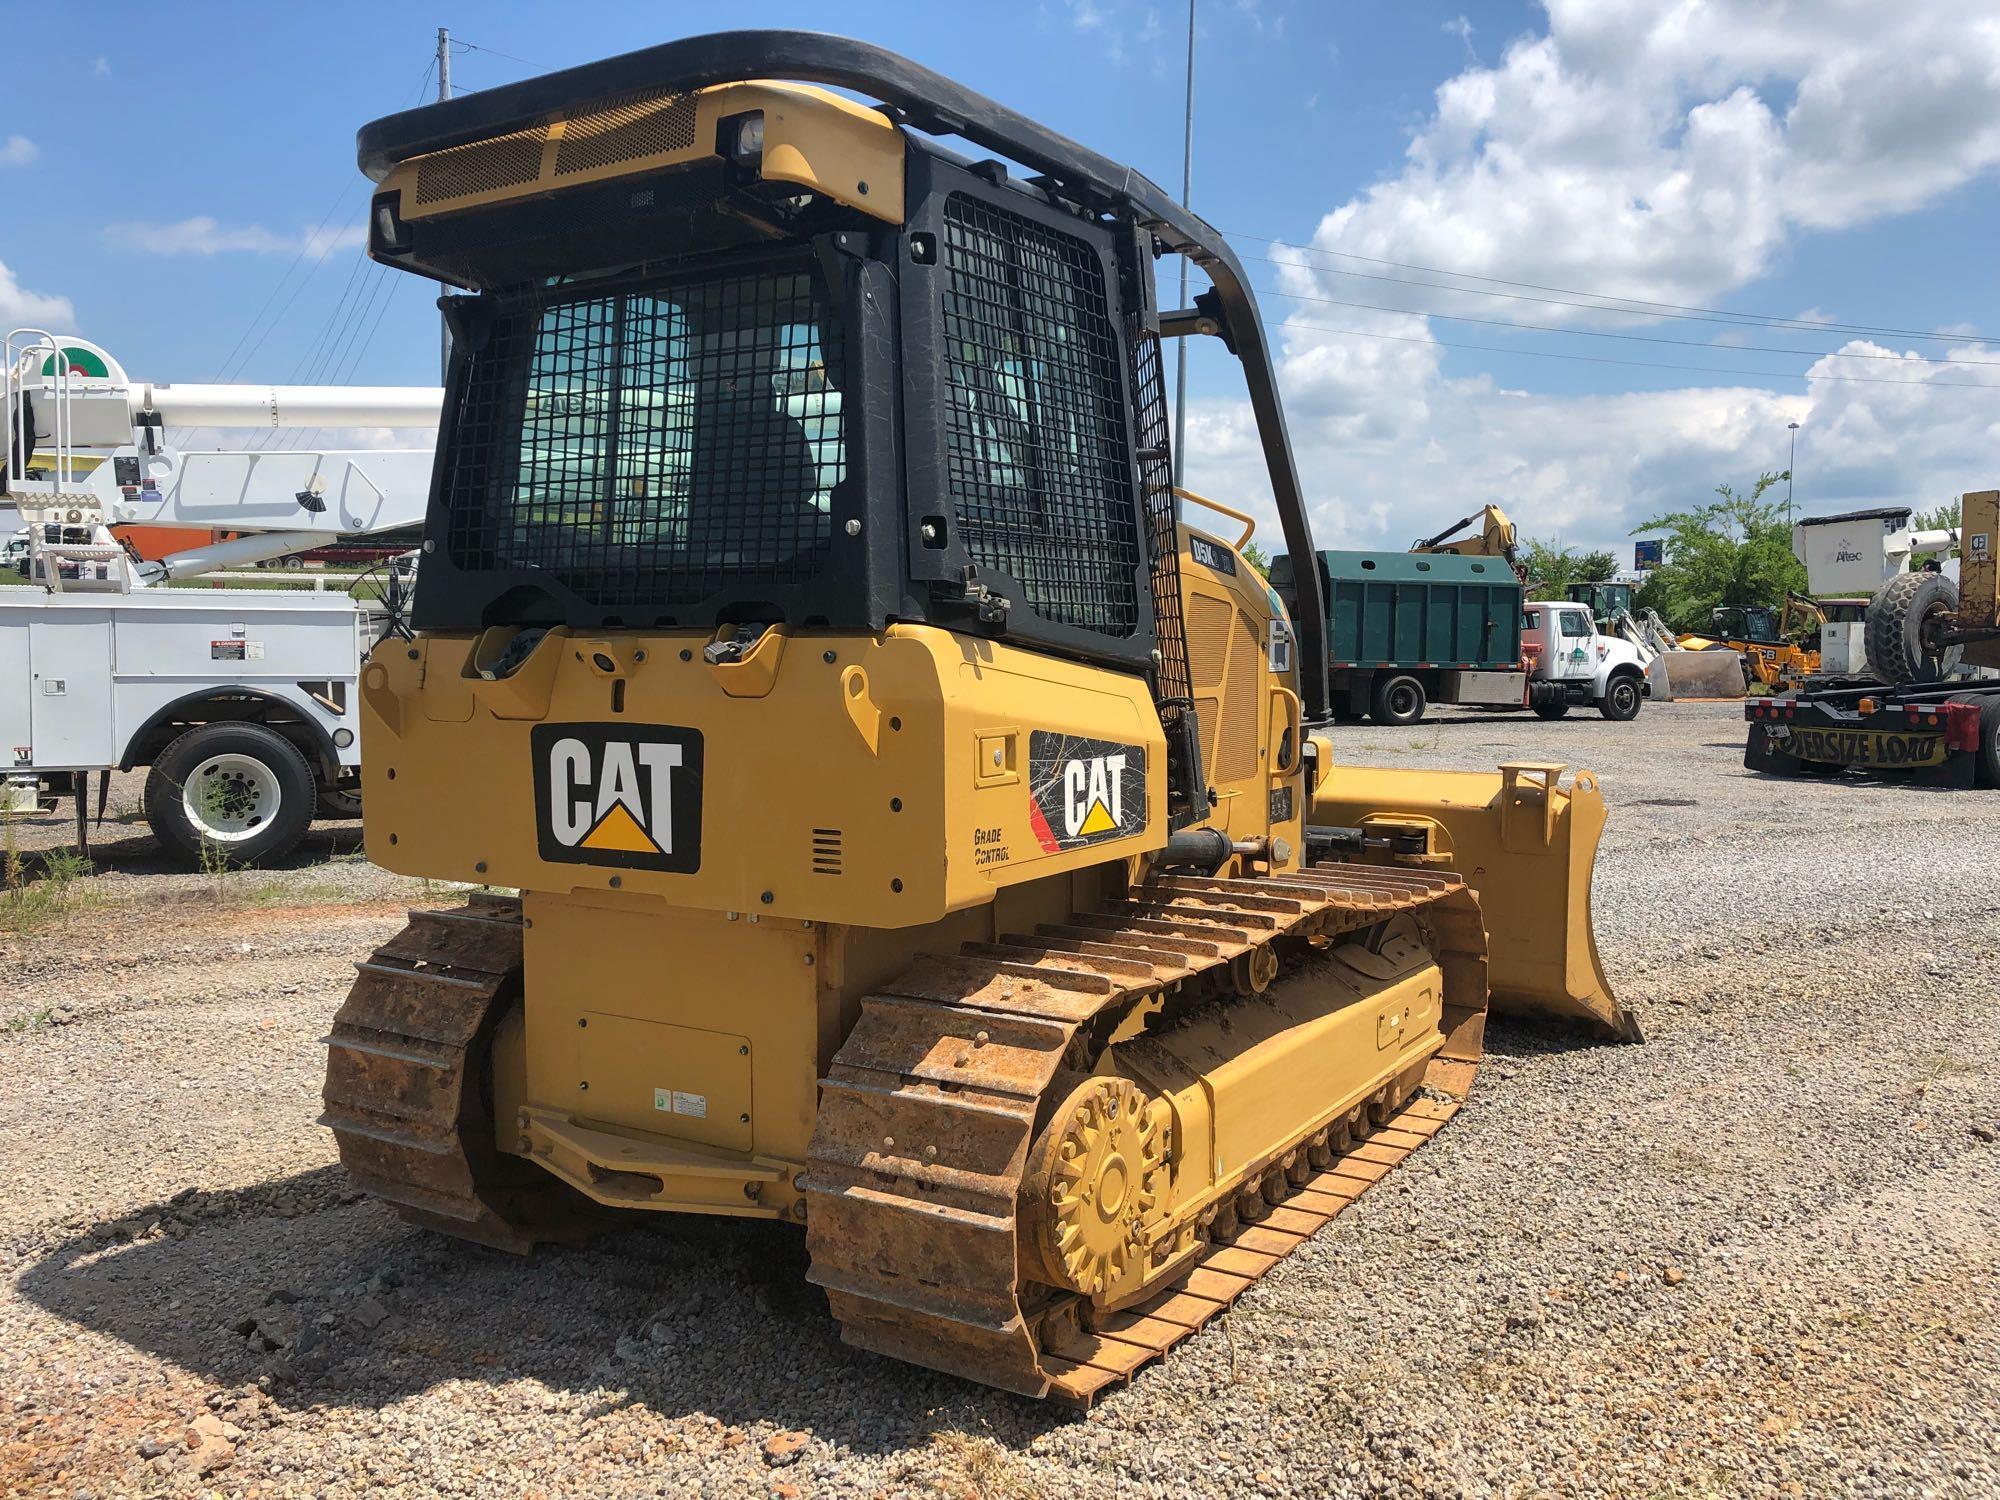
(1526, 844)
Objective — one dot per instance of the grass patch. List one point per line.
(283, 890)
(44, 1017)
(988, 1467)
(36, 889)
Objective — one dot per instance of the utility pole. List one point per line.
(1789, 468)
(1180, 351)
(444, 93)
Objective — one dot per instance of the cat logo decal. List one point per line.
(611, 795)
(1083, 791)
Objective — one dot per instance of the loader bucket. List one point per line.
(1713, 673)
(1526, 844)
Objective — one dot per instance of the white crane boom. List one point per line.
(85, 449)
(288, 405)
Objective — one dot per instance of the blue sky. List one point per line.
(1824, 163)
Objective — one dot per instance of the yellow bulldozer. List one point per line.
(921, 833)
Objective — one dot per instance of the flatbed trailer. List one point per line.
(1940, 733)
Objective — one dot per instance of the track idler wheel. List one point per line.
(1094, 1188)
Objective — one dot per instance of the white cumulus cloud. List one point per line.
(1670, 150)
(20, 307)
(18, 151)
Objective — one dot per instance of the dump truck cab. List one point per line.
(1572, 663)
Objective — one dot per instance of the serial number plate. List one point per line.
(1867, 747)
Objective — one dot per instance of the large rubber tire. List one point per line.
(1910, 607)
(338, 804)
(1987, 757)
(1552, 710)
(259, 801)
(1398, 699)
(1622, 697)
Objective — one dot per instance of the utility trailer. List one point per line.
(1941, 733)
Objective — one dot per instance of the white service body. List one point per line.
(87, 673)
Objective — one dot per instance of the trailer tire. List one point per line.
(1398, 699)
(1902, 619)
(1762, 754)
(1622, 697)
(261, 798)
(1988, 756)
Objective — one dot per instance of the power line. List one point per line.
(496, 52)
(1640, 364)
(1639, 308)
(1600, 333)
(305, 248)
(311, 240)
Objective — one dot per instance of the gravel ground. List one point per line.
(1756, 1256)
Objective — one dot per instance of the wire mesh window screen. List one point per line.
(654, 446)
(1037, 452)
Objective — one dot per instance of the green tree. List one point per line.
(1258, 558)
(1734, 551)
(1946, 517)
(1553, 567)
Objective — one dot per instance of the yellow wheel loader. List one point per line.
(922, 836)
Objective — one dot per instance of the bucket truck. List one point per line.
(241, 702)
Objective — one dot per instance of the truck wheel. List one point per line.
(338, 801)
(240, 790)
(1904, 621)
(1398, 700)
(1621, 698)
(1553, 708)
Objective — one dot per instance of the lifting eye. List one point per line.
(603, 663)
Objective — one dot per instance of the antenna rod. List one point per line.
(444, 92)
(1181, 345)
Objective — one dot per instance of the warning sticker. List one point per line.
(675, 1102)
(235, 650)
(1083, 791)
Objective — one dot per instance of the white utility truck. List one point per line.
(1571, 662)
(240, 700)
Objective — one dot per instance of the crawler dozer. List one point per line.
(921, 833)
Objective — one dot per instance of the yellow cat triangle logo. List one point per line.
(619, 830)
(1097, 820)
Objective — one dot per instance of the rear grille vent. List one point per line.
(506, 161)
(643, 124)
(826, 851)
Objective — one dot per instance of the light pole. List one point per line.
(1180, 352)
(1791, 466)
(444, 92)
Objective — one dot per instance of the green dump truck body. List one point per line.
(1424, 610)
